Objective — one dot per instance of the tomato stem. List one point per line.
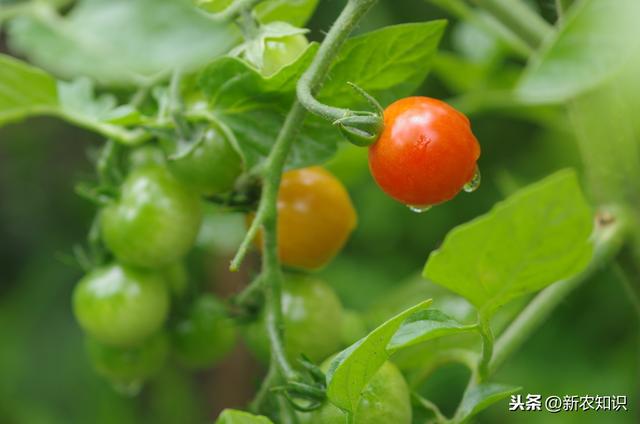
(484, 328)
(267, 213)
(312, 80)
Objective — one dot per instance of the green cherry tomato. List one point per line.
(205, 335)
(127, 368)
(211, 167)
(145, 155)
(282, 51)
(154, 222)
(353, 327)
(121, 306)
(177, 279)
(386, 399)
(312, 315)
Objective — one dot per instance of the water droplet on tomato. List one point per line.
(474, 183)
(419, 209)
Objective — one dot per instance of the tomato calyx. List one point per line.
(309, 393)
(362, 128)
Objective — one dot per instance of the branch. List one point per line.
(484, 328)
(365, 126)
(267, 213)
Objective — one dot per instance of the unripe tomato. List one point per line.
(312, 315)
(315, 218)
(385, 400)
(177, 279)
(145, 155)
(205, 335)
(121, 306)
(127, 368)
(212, 167)
(426, 153)
(281, 51)
(154, 222)
(353, 327)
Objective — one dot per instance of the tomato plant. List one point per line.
(245, 209)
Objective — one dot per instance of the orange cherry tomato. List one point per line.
(426, 153)
(315, 218)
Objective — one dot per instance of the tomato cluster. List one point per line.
(137, 306)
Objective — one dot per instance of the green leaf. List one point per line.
(352, 369)
(233, 416)
(77, 99)
(534, 238)
(594, 43)
(480, 397)
(423, 326)
(24, 90)
(296, 12)
(121, 42)
(254, 108)
(388, 63)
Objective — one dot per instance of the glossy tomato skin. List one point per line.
(426, 153)
(312, 315)
(211, 167)
(205, 335)
(154, 222)
(127, 368)
(385, 399)
(121, 306)
(280, 52)
(315, 218)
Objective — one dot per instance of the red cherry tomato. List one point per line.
(426, 153)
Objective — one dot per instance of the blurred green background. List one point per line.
(589, 346)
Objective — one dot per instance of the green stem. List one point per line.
(311, 81)
(519, 18)
(487, 346)
(267, 382)
(267, 213)
(609, 238)
(430, 406)
(250, 292)
(272, 171)
(631, 293)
